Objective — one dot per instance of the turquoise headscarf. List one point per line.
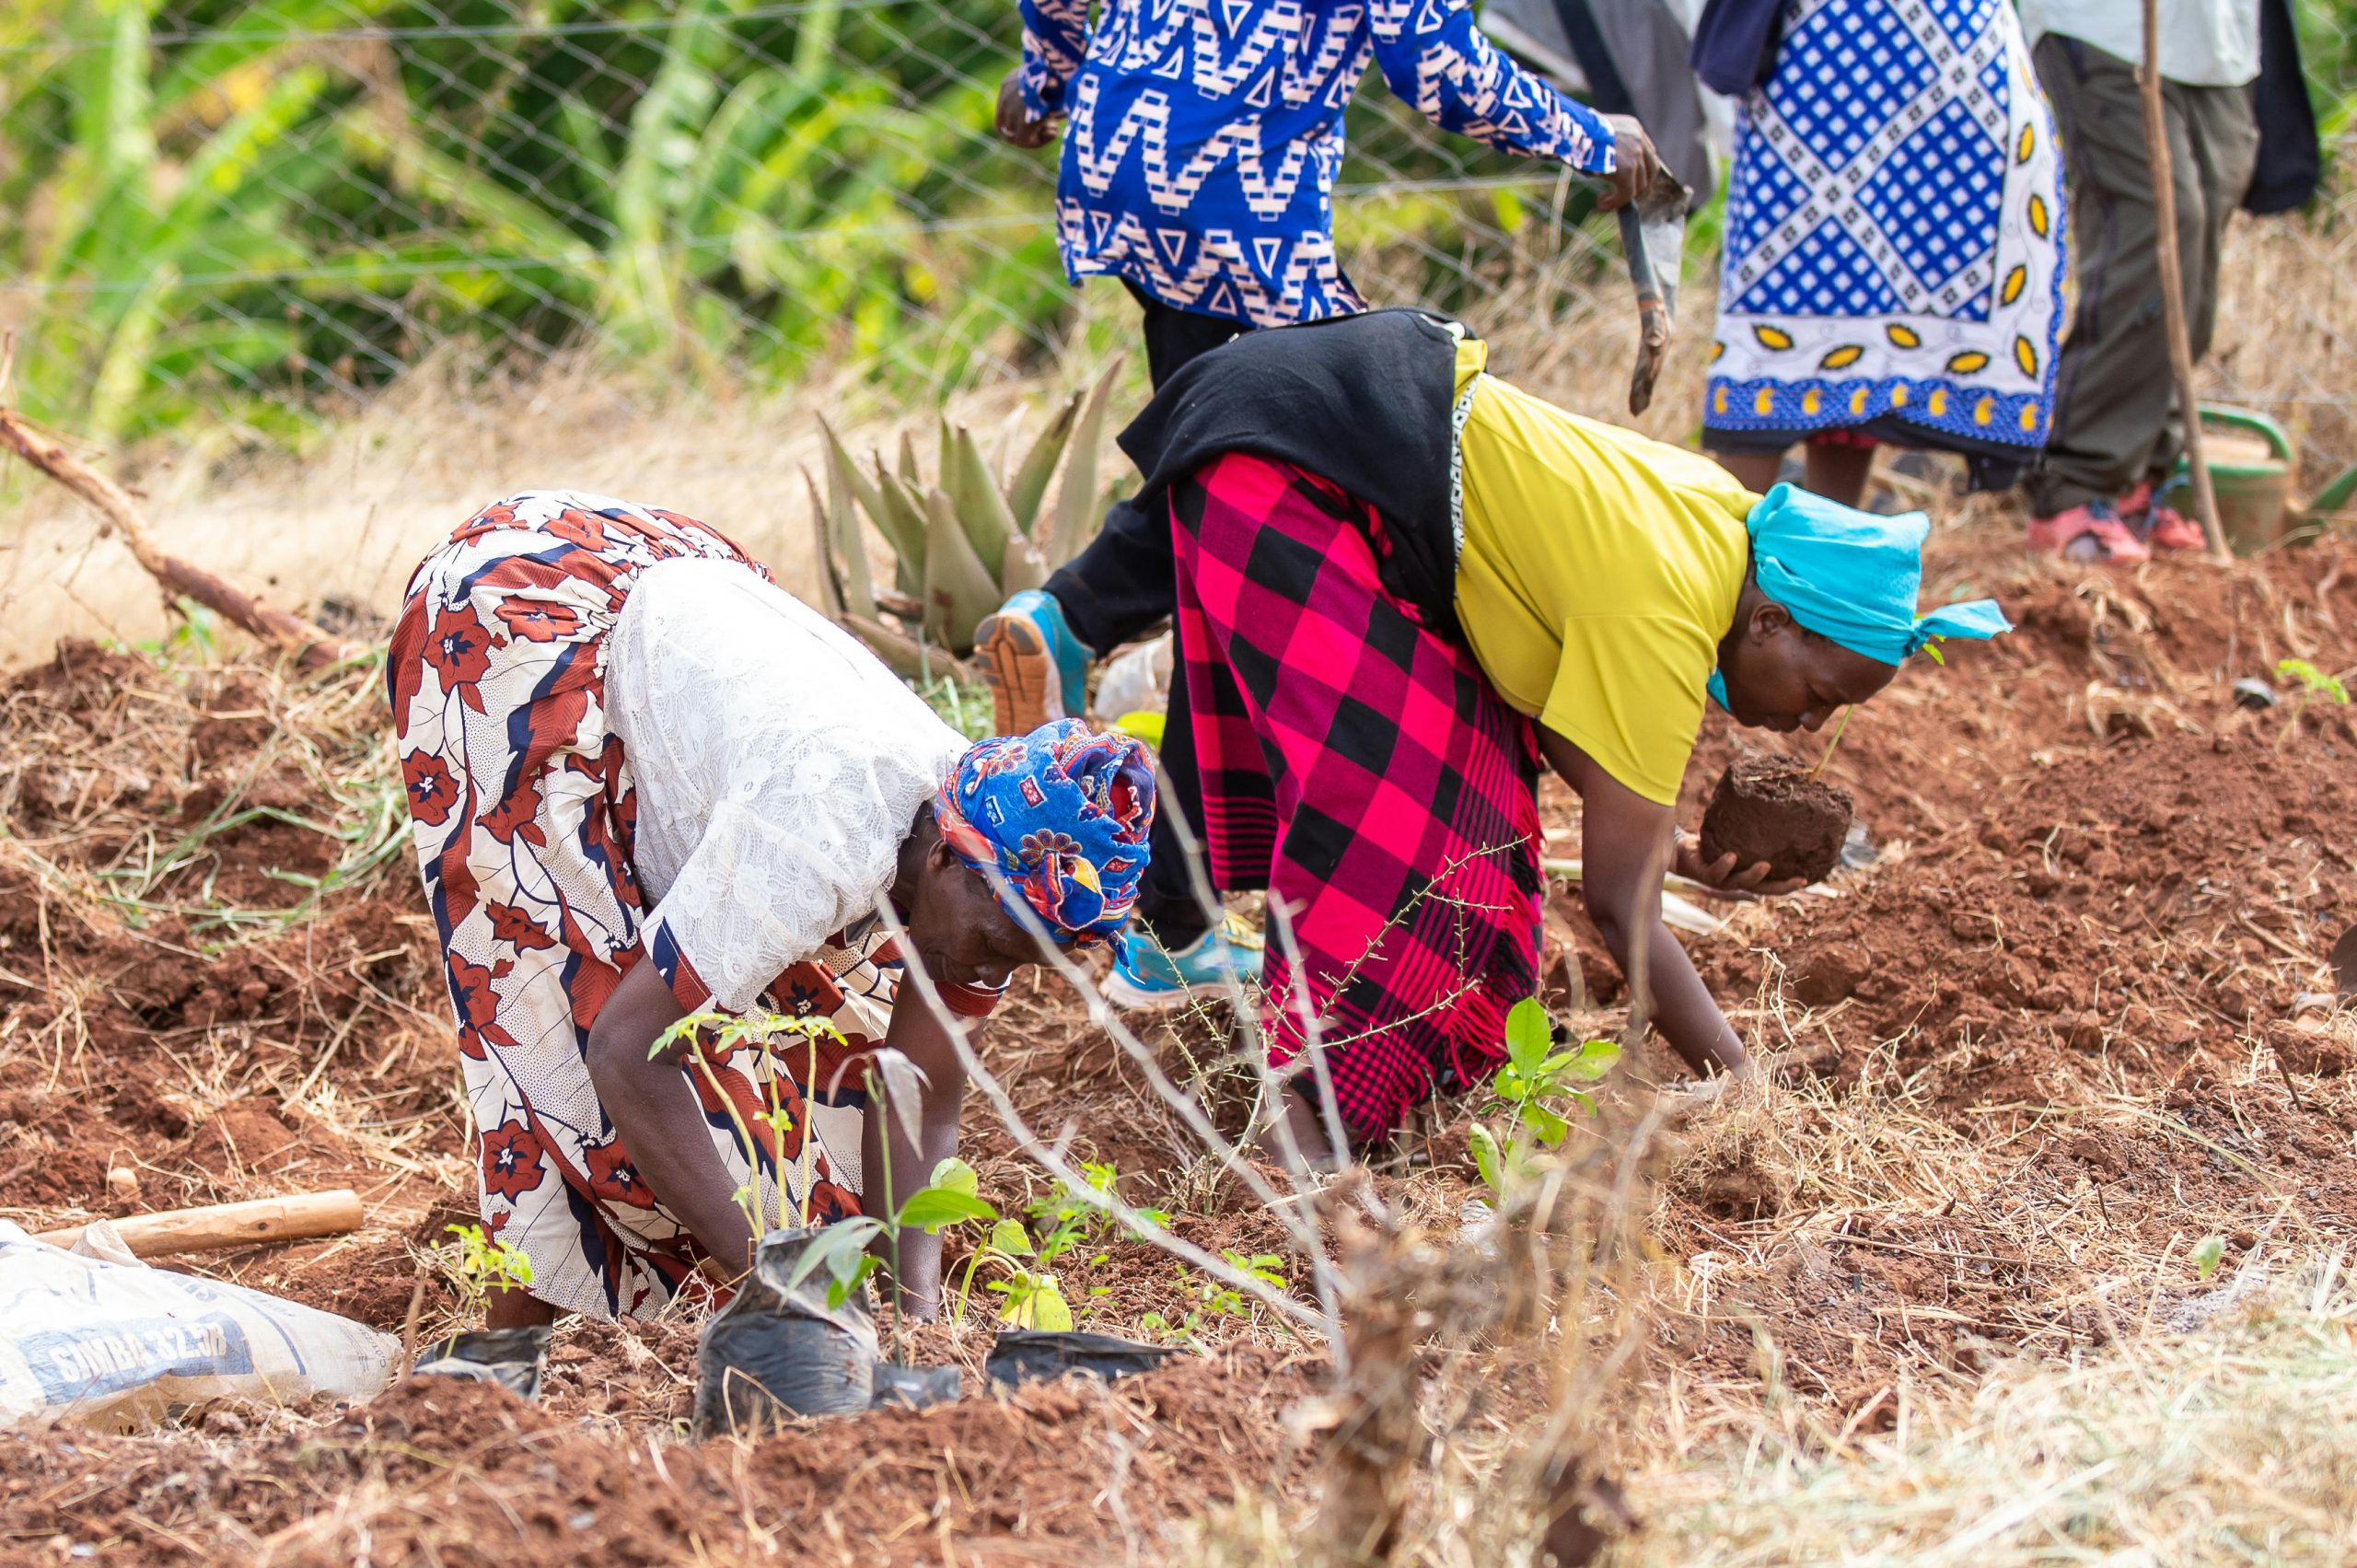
(1852, 576)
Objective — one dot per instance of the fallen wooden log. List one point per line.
(311, 647)
(294, 1218)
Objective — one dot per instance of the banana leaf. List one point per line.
(1079, 513)
(981, 505)
(252, 34)
(957, 591)
(124, 373)
(1030, 484)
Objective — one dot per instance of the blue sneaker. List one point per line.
(1036, 668)
(1147, 979)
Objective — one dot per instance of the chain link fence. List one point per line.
(256, 213)
(262, 211)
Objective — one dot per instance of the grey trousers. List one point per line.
(2116, 420)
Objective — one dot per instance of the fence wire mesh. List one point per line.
(263, 210)
(255, 213)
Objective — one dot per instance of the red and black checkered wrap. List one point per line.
(1360, 767)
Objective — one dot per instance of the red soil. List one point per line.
(2108, 889)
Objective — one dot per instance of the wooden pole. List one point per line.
(296, 1218)
(2156, 155)
(311, 647)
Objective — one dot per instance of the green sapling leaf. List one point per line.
(2206, 1255)
(844, 1239)
(1530, 1036)
(931, 1208)
(1009, 1237)
(1595, 1057)
(1487, 1157)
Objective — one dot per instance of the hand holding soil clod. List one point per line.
(1776, 817)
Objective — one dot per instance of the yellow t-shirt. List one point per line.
(1599, 571)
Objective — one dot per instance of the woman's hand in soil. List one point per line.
(1013, 122)
(916, 1033)
(1719, 879)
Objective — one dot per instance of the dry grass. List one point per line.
(2236, 1442)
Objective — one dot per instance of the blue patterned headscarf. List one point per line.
(1852, 576)
(1062, 814)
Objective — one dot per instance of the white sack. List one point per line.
(87, 1339)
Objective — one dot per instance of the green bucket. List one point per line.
(2250, 472)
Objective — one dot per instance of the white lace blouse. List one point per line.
(778, 766)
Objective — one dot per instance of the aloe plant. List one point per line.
(963, 540)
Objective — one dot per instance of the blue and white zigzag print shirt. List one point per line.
(1205, 135)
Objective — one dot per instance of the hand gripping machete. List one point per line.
(1653, 236)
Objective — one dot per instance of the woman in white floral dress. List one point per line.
(647, 783)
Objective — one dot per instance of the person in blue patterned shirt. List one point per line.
(1202, 140)
(1204, 136)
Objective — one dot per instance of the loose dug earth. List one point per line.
(2013, 1073)
(455, 1472)
(1769, 809)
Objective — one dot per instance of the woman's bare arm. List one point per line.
(917, 1034)
(656, 1110)
(1624, 848)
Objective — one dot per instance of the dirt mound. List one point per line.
(216, 973)
(2146, 903)
(2094, 654)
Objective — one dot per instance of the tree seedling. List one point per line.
(1212, 1299)
(2206, 1252)
(712, 1037)
(1534, 1079)
(477, 1266)
(2315, 685)
(844, 1250)
(1033, 1298)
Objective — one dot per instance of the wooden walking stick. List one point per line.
(2156, 155)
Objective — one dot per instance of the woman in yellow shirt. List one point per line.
(1389, 565)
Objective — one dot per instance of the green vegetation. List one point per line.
(963, 541)
(242, 214)
(1528, 1090)
(477, 1267)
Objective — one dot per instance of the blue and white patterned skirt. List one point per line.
(1894, 251)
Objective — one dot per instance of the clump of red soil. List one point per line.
(1769, 809)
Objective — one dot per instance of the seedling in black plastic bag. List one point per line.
(842, 1249)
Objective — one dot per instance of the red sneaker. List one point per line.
(2162, 527)
(2090, 531)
